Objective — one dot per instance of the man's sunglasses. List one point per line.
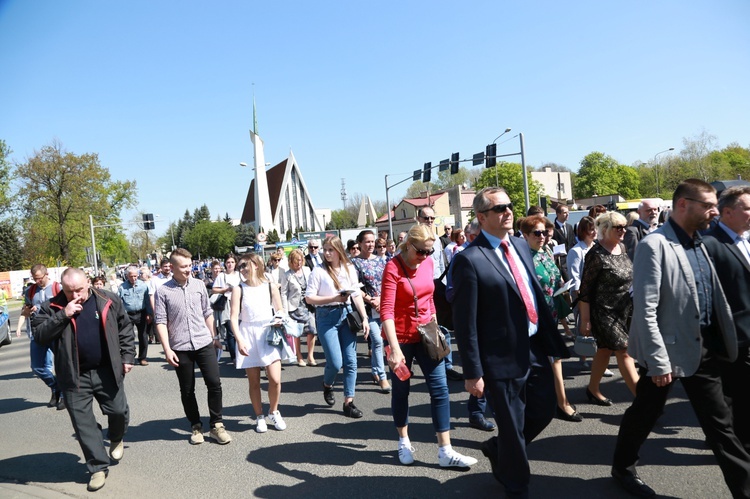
(499, 208)
(427, 218)
(313, 247)
(423, 252)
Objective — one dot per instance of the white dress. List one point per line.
(256, 311)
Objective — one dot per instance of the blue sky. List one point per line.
(162, 91)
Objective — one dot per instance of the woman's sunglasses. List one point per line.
(423, 252)
(539, 233)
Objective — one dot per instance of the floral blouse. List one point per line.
(548, 275)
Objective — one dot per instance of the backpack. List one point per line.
(33, 288)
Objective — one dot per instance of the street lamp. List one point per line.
(496, 139)
(656, 167)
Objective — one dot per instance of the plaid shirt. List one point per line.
(184, 310)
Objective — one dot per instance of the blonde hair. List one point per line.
(417, 234)
(260, 267)
(606, 221)
(296, 254)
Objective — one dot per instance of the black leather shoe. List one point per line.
(60, 403)
(489, 449)
(53, 400)
(328, 395)
(453, 375)
(351, 411)
(630, 481)
(481, 423)
(596, 400)
(573, 418)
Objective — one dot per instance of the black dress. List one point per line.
(605, 286)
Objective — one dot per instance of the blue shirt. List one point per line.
(135, 298)
(701, 270)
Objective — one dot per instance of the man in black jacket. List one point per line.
(730, 251)
(95, 348)
(563, 234)
(648, 216)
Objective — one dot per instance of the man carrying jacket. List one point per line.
(94, 349)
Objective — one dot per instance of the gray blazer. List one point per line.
(665, 334)
(291, 291)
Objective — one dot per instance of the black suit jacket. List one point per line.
(491, 326)
(309, 261)
(568, 239)
(734, 274)
(633, 234)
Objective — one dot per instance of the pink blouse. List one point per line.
(397, 297)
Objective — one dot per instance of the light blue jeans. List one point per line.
(41, 364)
(339, 346)
(378, 367)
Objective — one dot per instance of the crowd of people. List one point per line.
(662, 298)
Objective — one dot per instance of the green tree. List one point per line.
(113, 246)
(5, 177)
(510, 178)
(59, 191)
(273, 237)
(245, 235)
(342, 219)
(602, 175)
(209, 238)
(11, 250)
(201, 214)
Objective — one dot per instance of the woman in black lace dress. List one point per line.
(605, 304)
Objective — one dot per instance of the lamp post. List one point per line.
(656, 167)
(494, 141)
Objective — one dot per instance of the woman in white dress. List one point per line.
(253, 306)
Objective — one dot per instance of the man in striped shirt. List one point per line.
(185, 325)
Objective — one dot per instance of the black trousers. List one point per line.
(704, 390)
(734, 378)
(523, 408)
(99, 384)
(205, 359)
(139, 321)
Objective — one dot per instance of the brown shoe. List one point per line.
(144, 362)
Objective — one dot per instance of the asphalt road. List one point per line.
(322, 453)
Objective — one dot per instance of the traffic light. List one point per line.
(148, 221)
(417, 175)
(489, 158)
(444, 165)
(454, 163)
(427, 172)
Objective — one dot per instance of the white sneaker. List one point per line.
(453, 459)
(277, 420)
(260, 425)
(406, 454)
(608, 373)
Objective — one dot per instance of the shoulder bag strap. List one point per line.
(414, 291)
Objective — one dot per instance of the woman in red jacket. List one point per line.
(400, 322)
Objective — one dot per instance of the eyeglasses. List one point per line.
(313, 247)
(539, 233)
(423, 252)
(499, 208)
(619, 227)
(706, 206)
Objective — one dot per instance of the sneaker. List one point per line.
(96, 481)
(608, 373)
(116, 450)
(197, 436)
(260, 424)
(277, 420)
(351, 411)
(219, 434)
(406, 454)
(453, 459)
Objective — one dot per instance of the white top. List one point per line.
(321, 284)
(223, 279)
(576, 256)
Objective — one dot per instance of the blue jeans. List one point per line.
(434, 375)
(339, 346)
(41, 363)
(448, 358)
(378, 367)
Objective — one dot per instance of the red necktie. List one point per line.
(527, 301)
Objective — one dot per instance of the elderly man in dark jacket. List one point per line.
(95, 348)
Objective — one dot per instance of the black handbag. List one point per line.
(433, 339)
(220, 303)
(354, 319)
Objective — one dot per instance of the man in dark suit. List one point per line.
(648, 216)
(313, 258)
(563, 234)
(730, 251)
(505, 333)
